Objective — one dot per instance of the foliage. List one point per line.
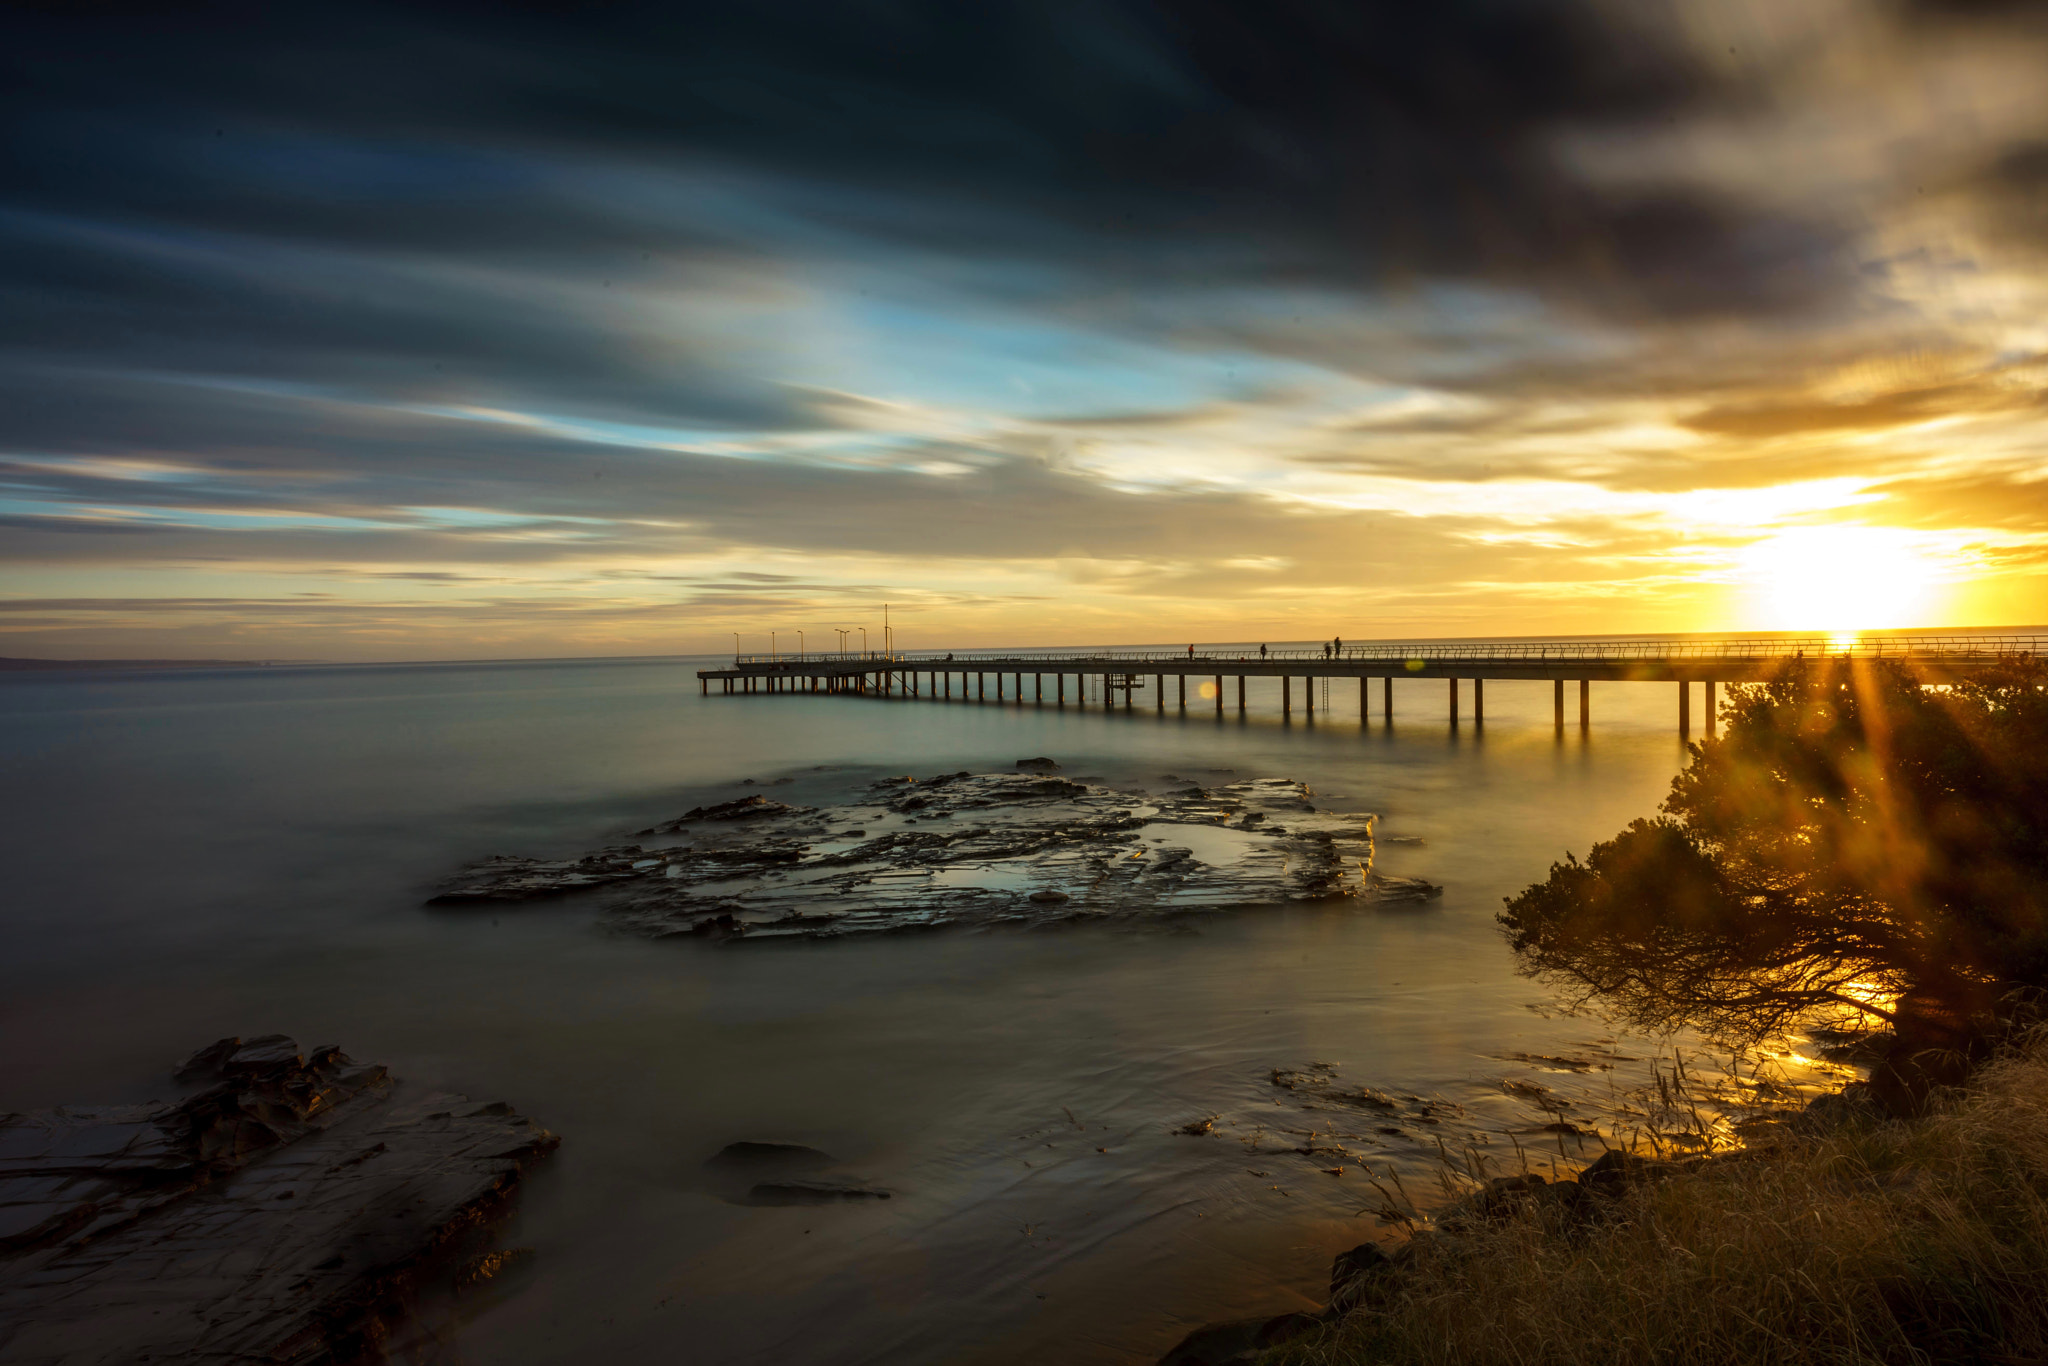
(1859, 844)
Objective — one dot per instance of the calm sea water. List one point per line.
(191, 855)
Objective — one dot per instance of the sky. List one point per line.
(433, 331)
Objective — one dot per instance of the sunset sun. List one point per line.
(1839, 579)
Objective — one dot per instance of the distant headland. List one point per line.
(10, 664)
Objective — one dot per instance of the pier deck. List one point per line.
(1706, 662)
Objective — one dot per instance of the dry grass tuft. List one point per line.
(1888, 1242)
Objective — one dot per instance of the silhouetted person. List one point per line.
(1191, 652)
(1338, 646)
(1262, 652)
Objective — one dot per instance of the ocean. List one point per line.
(192, 854)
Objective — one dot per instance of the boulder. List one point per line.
(1229, 1344)
(1826, 1114)
(1617, 1171)
(1358, 1276)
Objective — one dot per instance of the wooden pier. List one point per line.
(1118, 677)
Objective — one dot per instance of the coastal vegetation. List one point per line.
(1860, 849)
(1872, 1240)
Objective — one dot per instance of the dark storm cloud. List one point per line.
(425, 204)
(139, 298)
(1345, 143)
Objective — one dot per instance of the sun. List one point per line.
(1840, 578)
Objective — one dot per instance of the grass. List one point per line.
(1904, 1242)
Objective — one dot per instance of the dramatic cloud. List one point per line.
(425, 330)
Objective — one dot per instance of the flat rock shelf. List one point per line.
(276, 1215)
(966, 849)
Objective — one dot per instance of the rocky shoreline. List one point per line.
(1368, 1273)
(279, 1212)
(1572, 1208)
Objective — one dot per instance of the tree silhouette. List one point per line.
(1860, 846)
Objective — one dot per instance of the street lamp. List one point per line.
(735, 647)
(844, 632)
(799, 646)
(863, 641)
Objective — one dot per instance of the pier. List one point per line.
(1119, 678)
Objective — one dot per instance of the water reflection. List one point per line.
(201, 855)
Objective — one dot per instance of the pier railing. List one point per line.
(1733, 649)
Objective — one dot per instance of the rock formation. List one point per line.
(967, 849)
(271, 1216)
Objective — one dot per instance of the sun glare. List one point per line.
(1839, 579)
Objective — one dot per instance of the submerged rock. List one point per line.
(273, 1216)
(749, 1155)
(812, 1193)
(508, 877)
(743, 808)
(756, 1173)
(1016, 848)
(1242, 1343)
